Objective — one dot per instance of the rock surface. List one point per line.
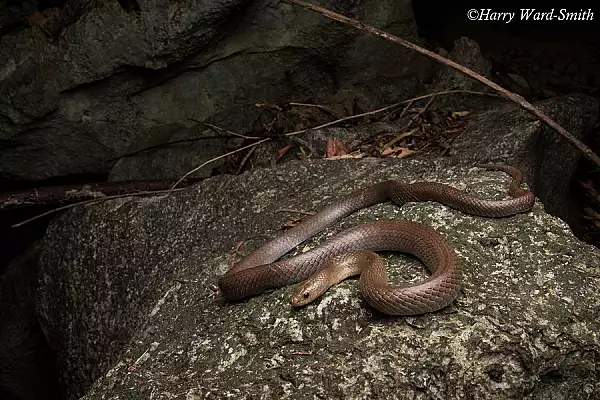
(113, 80)
(142, 269)
(27, 369)
(510, 133)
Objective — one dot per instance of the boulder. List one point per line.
(126, 297)
(88, 83)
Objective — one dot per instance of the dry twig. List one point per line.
(81, 203)
(244, 160)
(217, 129)
(390, 107)
(337, 121)
(320, 107)
(515, 98)
(59, 195)
(217, 158)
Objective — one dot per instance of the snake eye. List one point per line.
(305, 295)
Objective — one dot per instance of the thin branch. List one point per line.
(244, 160)
(454, 91)
(398, 138)
(78, 192)
(409, 101)
(515, 98)
(166, 145)
(222, 134)
(420, 113)
(217, 129)
(217, 158)
(337, 121)
(408, 105)
(81, 203)
(380, 110)
(320, 107)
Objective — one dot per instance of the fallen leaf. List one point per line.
(397, 152)
(399, 137)
(335, 148)
(282, 151)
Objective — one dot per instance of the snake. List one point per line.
(352, 251)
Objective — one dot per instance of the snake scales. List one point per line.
(352, 248)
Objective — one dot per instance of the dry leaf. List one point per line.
(397, 152)
(335, 148)
(282, 151)
(399, 137)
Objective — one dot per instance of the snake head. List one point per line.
(307, 291)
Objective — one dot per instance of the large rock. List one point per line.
(27, 370)
(501, 132)
(112, 80)
(126, 297)
(550, 161)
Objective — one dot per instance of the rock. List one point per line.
(511, 134)
(125, 297)
(314, 142)
(172, 152)
(467, 53)
(27, 369)
(115, 77)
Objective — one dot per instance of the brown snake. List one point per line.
(259, 271)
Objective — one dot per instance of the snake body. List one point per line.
(260, 270)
